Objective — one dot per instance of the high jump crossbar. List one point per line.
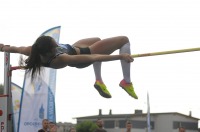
(165, 52)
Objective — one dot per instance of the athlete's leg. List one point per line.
(108, 46)
(99, 85)
(86, 43)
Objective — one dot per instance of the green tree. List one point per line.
(86, 126)
(1, 89)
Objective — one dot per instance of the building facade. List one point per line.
(160, 122)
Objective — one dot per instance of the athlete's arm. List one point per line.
(25, 50)
(64, 59)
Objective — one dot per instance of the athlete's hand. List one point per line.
(126, 57)
(1, 46)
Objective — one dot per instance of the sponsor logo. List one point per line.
(41, 112)
(34, 124)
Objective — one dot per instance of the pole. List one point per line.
(148, 114)
(166, 52)
(7, 92)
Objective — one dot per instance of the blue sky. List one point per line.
(156, 25)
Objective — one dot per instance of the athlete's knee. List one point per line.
(97, 38)
(124, 39)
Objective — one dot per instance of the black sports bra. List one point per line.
(61, 49)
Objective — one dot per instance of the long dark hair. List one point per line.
(42, 46)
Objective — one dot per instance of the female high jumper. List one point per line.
(45, 52)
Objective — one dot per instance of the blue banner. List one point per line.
(38, 97)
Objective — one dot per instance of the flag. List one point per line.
(38, 96)
(148, 114)
(16, 99)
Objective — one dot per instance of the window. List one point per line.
(122, 123)
(186, 125)
(109, 124)
(142, 124)
(136, 124)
